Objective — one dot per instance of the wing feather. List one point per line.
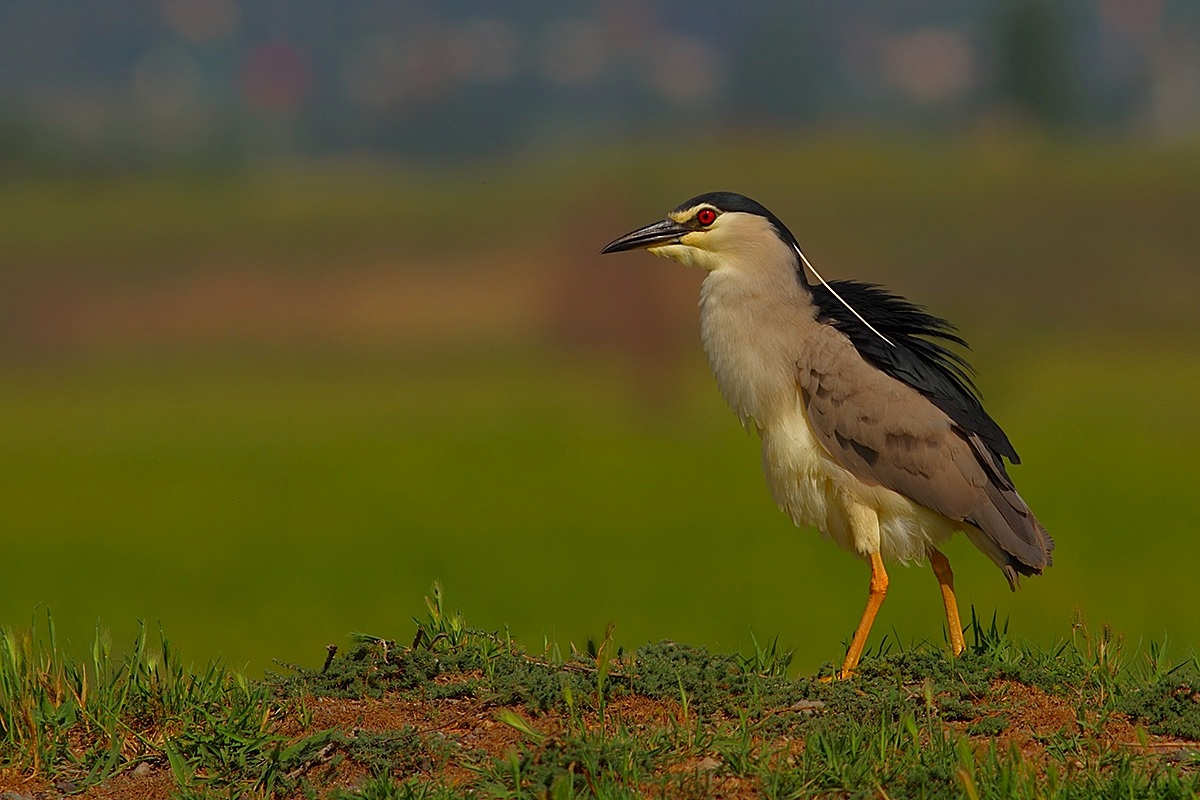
(886, 433)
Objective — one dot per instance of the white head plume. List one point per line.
(833, 291)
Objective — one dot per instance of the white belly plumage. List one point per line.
(814, 490)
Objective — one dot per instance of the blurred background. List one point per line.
(301, 309)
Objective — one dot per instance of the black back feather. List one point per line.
(918, 358)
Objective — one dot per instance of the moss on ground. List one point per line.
(463, 713)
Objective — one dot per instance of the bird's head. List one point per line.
(718, 230)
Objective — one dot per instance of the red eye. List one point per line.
(706, 216)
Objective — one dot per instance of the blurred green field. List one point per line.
(261, 492)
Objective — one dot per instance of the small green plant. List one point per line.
(768, 661)
(440, 626)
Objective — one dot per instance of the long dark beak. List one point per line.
(668, 230)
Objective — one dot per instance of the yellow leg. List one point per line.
(941, 568)
(875, 595)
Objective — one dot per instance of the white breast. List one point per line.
(749, 337)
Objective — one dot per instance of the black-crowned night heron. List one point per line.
(871, 428)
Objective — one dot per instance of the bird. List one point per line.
(872, 429)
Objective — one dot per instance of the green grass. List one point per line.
(254, 508)
(480, 715)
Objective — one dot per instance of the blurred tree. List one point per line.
(783, 71)
(1034, 61)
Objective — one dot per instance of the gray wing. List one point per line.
(887, 434)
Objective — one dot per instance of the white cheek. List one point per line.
(688, 256)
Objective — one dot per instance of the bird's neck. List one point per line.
(751, 324)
